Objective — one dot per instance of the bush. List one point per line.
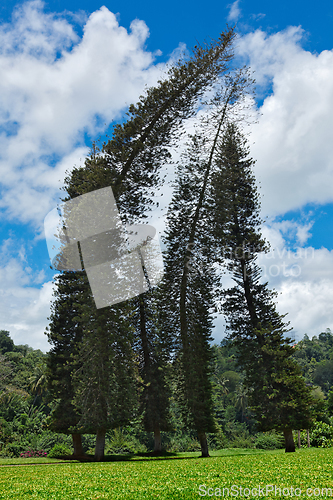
(241, 442)
(59, 451)
(321, 435)
(181, 443)
(12, 450)
(238, 435)
(269, 441)
(47, 439)
(120, 443)
(33, 453)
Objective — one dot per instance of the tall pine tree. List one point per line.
(65, 334)
(189, 294)
(277, 392)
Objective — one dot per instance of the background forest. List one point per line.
(25, 405)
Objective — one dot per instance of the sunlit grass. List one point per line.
(177, 477)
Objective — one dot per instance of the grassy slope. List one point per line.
(176, 478)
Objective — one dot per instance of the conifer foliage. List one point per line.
(190, 277)
(130, 163)
(278, 394)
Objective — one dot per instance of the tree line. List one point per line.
(26, 404)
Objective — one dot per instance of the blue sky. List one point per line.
(69, 69)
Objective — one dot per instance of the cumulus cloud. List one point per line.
(25, 296)
(302, 276)
(309, 306)
(54, 88)
(234, 12)
(292, 141)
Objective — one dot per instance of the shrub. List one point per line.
(269, 441)
(321, 435)
(241, 442)
(120, 443)
(183, 443)
(12, 450)
(47, 439)
(33, 453)
(59, 451)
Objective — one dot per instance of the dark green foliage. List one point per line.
(121, 443)
(277, 394)
(329, 403)
(6, 343)
(323, 374)
(65, 333)
(130, 164)
(59, 451)
(269, 441)
(153, 349)
(105, 383)
(315, 359)
(191, 322)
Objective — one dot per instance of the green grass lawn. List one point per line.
(177, 477)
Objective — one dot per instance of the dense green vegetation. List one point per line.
(179, 477)
(25, 405)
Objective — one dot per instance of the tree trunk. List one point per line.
(298, 438)
(203, 443)
(100, 444)
(289, 440)
(77, 445)
(157, 439)
(308, 437)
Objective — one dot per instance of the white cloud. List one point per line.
(309, 306)
(302, 276)
(234, 12)
(26, 310)
(292, 141)
(23, 307)
(56, 86)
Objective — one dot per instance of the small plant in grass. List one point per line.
(33, 453)
(59, 451)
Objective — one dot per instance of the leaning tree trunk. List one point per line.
(157, 439)
(203, 443)
(289, 440)
(77, 445)
(298, 438)
(308, 437)
(100, 445)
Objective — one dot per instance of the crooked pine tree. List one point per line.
(190, 279)
(131, 160)
(277, 392)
